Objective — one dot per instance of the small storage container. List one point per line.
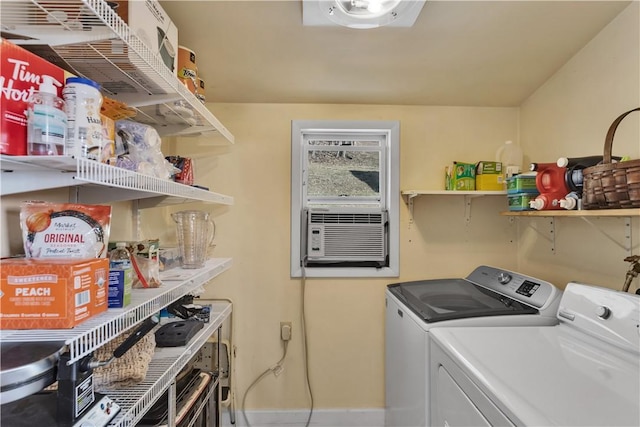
(522, 184)
(520, 201)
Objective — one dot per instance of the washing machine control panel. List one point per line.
(526, 289)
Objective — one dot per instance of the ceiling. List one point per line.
(464, 53)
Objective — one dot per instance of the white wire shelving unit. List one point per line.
(99, 330)
(22, 174)
(96, 43)
(135, 400)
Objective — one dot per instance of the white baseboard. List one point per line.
(298, 418)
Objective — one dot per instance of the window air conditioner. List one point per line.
(355, 237)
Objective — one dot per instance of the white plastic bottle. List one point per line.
(511, 156)
(46, 120)
(120, 276)
(84, 126)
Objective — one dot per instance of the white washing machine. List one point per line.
(585, 371)
(487, 297)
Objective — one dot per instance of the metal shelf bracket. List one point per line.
(627, 244)
(408, 199)
(549, 235)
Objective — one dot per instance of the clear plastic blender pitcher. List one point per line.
(195, 232)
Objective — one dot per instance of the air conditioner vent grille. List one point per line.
(362, 242)
(344, 237)
(345, 218)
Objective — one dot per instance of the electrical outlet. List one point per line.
(285, 331)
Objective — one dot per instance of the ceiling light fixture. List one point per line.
(361, 14)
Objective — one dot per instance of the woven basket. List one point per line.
(127, 370)
(612, 185)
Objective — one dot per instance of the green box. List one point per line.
(522, 184)
(520, 201)
(460, 176)
(145, 248)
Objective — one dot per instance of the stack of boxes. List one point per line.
(481, 176)
(521, 189)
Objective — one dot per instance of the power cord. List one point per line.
(305, 348)
(275, 369)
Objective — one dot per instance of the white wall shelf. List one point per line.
(409, 195)
(99, 45)
(100, 329)
(574, 213)
(21, 174)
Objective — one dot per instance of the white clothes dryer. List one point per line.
(585, 371)
(488, 296)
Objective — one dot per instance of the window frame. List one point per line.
(389, 191)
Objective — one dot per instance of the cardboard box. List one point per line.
(145, 248)
(522, 184)
(460, 177)
(488, 168)
(153, 26)
(492, 182)
(20, 76)
(108, 151)
(51, 293)
(520, 201)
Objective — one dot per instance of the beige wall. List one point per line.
(345, 318)
(569, 116)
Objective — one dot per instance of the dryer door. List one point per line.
(456, 400)
(454, 406)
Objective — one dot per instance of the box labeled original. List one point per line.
(460, 176)
(51, 293)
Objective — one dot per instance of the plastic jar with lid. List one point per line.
(84, 126)
(511, 156)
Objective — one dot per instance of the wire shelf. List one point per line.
(98, 330)
(91, 37)
(164, 367)
(41, 172)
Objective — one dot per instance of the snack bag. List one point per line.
(64, 230)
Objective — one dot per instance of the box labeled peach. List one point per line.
(51, 293)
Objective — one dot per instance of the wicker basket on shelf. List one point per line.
(612, 185)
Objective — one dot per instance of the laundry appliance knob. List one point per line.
(603, 312)
(504, 278)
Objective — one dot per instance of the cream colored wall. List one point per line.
(569, 116)
(345, 318)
